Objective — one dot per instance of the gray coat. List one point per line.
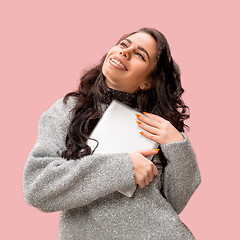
(86, 190)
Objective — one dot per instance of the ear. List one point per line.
(146, 85)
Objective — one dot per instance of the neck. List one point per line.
(110, 94)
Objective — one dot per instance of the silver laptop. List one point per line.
(118, 132)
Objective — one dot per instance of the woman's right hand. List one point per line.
(144, 169)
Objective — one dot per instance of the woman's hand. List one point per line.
(158, 129)
(144, 169)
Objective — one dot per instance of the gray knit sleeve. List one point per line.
(51, 183)
(181, 175)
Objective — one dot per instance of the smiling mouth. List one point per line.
(117, 64)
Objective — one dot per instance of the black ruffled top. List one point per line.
(129, 99)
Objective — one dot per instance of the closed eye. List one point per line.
(123, 44)
(139, 54)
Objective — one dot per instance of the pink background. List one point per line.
(45, 46)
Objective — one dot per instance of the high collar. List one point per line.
(129, 99)
(107, 94)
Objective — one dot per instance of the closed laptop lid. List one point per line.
(118, 132)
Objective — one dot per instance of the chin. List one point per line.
(111, 84)
(109, 74)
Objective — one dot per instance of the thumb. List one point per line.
(148, 152)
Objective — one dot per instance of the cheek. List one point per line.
(106, 59)
(110, 52)
(140, 69)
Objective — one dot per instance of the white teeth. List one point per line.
(117, 62)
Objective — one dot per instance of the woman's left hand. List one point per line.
(158, 129)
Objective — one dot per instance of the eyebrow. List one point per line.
(139, 47)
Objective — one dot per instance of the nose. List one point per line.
(126, 52)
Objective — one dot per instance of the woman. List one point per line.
(62, 175)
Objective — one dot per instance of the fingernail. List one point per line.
(138, 122)
(141, 133)
(156, 150)
(144, 113)
(137, 115)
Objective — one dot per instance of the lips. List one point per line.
(119, 60)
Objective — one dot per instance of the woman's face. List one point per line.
(128, 64)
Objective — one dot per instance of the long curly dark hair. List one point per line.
(163, 99)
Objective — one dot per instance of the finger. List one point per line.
(148, 120)
(153, 137)
(150, 176)
(154, 117)
(146, 181)
(148, 128)
(141, 184)
(148, 152)
(155, 170)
